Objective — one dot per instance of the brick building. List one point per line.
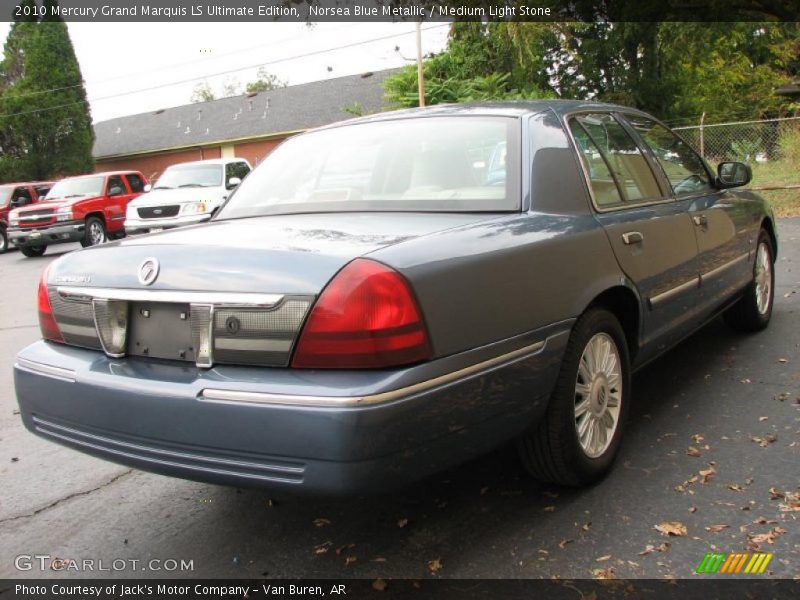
(247, 126)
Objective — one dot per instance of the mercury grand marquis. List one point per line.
(386, 297)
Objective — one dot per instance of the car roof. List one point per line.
(16, 183)
(511, 108)
(101, 174)
(211, 161)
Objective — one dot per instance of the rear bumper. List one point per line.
(135, 226)
(71, 231)
(304, 430)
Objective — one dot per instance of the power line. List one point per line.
(220, 73)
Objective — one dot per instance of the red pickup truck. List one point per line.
(14, 195)
(89, 209)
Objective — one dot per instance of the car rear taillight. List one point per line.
(366, 317)
(47, 322)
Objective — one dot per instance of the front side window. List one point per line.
(236, 169)
(115, 186)
(682, 166)
(425, 164)
(187, 176)
(72, 188)
(611, 155)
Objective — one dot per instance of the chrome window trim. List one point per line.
(219, 299)
(265, 398)
(664, 199)
(61, 373)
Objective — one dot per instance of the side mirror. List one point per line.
(233, 182)
(147, 188)
(733, 174)
(116, 191)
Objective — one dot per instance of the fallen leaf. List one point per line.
(762, 419)
(379, 559)
(14, 459)
(603, 558)
(775, 494)
(735, 487)
(435, 565)
(791, 502)
(692, 451)
(697, 437)
(692, 509)
(402, 522)
(379, 585)
(707, 474)
(717, 528)
(323, 548)
(675, 528)
(745, 381)
(549, 509)
(604, 573)
(563, 543)
(586, 526)
(783, 360)
(349, 560)
(766, 440)
(782, 396)
(484, 490)
(322, 522)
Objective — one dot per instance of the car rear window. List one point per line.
(458, 164)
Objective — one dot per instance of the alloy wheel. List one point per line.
(598, 394)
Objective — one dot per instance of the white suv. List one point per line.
(185, 194)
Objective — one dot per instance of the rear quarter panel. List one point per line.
(492, 280)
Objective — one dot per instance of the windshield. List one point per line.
(5, 195)
(457, 164)
(71, 188)
(190, 176)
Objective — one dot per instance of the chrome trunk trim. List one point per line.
(86, 294)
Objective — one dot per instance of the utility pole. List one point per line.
(420, 75)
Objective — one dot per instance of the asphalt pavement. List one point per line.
(712, 446)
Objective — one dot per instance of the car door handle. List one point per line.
(700, 220)
(632, 237)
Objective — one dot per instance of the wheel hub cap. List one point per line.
(763, 278)
(598, 394)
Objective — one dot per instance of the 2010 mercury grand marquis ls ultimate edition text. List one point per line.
(383, 298)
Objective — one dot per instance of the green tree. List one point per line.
(202, 92)
(676, 70)
(46, 125)
(265, 81)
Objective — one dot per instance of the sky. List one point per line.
(139, 67)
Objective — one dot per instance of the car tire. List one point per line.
(3, 241)
(33, 251)
(94, 232)
(754, 309)
(586, 397)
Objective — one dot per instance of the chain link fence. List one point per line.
(771, 147)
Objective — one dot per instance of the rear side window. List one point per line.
(683, 166)
(42, 190)
(136, 183)
(613, 160)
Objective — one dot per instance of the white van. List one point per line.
(185, 194)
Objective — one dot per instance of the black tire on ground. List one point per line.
(551, 450)
(33, 251)
(92, 232)
(747, 315)
(3, 241)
